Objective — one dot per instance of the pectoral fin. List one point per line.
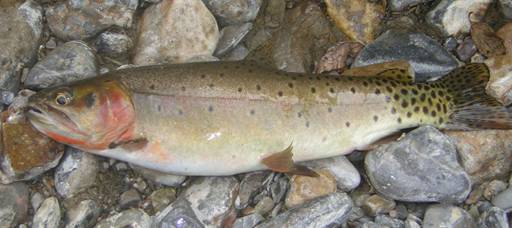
(130, 145)
(283, 162)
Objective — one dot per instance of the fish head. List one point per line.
(89, 115)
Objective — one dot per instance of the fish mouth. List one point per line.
(47, 119)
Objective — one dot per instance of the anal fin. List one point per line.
(283, 162)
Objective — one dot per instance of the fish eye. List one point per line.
(63, 98)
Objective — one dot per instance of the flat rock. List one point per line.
(493, 218)
(447, 216)
(127, 218)
(230, 36)
(175, 31)
(304, 188)
(48, 214)
(113, 44)
(452, 16)
(84, 214)
(421, 167)
(231, 12)
(503, 200)
(76, 172)
(347, 176)
(399, 5)
(13, 204)
(159, 177)
(428, 58)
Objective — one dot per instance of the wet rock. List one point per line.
(248, 221)
(386, 221)
(447, 216)
(376, 204)
(504, 199)
(493, 188)
(76, 172)
(130, 198)
(84, 215)
(161, 198)
(127, 218)
(230, 12)
(506, 6)
(421, 167)
(347, 176)
(159, 177)
(493, 218)
(317, 213)
(170, 32)
(14, 204)
(238, 53)
(113, 44)
(484, 155)
(248, 186)
(80, 20)
(428, 58)
(48, 214)
(178, 214)
(358, 19)
(466, 49)
(264, 206)
(21, 33)
(304, 188)
(230, 36)
(72, 61)
(452, 16)
(399, 5)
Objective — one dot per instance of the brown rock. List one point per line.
(376, 204)
(505, 33)
(337, 57)
(305, 188)
(500, 68)
(486, 40)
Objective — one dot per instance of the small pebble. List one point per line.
(130, 198)
(48, 214)
(161, 198)
(493, 188)
(376, 204)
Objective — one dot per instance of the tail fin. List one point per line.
(472, 107)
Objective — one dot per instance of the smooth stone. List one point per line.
(452, 16)
(170, 32)
(304, 188)
(428, 58)
(421, 167)
(114, 44)
(494, 218)
(264, 206)
(48, 214)
(268, 22)
(250, 183)
(83, 215)
(412, 222)
(238, 53)
(500, 69)
(130, 198)
(231, 12)
(347, 176)
(358, 19)
(159, 177)
(493, 188)
(506, 7)
(127, 218)
(69, 62)
(161, 198)
(248, 221)
(321, 212)
(376, 204)
(484, 155)
(76, 172)
(386, 221)
(13, 204)
(178, 214)
(466, 49)
(35, 200)
(503, 200)
(399, 5)
(81, 20)
(439, 215)
(230, 36)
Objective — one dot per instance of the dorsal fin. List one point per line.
(399, 70)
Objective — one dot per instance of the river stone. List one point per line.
(175, 31)
(428, 58)
(439, 215)
(248, 221)
(127, 218)
(230, 37)
(493, 218)
(399, 5)
(452, 16)
(504, 199)
(13, 204)
(250, 183)
(506, 7)
(347, 176)
(500, 69)
(238, 53)
(130, 198)
(113, 44)
(178, 214)
(76, 172)
(83, 215)
(231, 12)
(421, 167)
(159, 177)
(161, 198)
(376, 204)
(304, 188)
(48, 214)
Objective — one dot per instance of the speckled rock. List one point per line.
(171, 32)
(250, 183)
(317, 213)
(452, 16)
(76, 172)
(304, 188)
(231, 12)
(358, 19)
(80, 20)
(421, 167)
(428, 58)
(72, 61)
(83, 215)
(447, 216)
(248, 221)
(161, 198)
(347, 176)
(230, 36)
(376, 204)
(484, 155)
(127, 218)
(506, 6)
(493, 218)
(493, 188)
(160, 177)
(504, 199)
(13, 204)
(113, 44)
(399, 5)
(48, 214)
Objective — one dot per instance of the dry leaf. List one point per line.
(485, 40)
(338, 57)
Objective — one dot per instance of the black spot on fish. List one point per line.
(290, 85)
(444, 108)
(375, 118)
(203, 76)
(409, 114)
(347, 124)
(210, 108)
(338, 79)
(425, 110)
(393, 83)
(280, 93)
(240, 89)
(404, 104)
(327, 84)
(221, 75)
(438, 106)
(299, 114)
(210, 85)
(403, 91)
(388, 99)
(389, 89)
(159, 108)
(396, 97)
(413, 101)
(313, 90)
(433, 113)
(329, 109)
(307, 123)
(252, 112)
(414, 91)
(331, 90)
(393, 110)
(365, 83)
(258, 87)
(416, 109)
(183, 88)
(441, 120)
(310, 78)
(399, 120)
(294, 78)
(180, 112)
(423, 97)
(90, 99)
(152, 87)
(250, 70)
(378, 83)
(430, 101)
(318, 78)
(353, 90)
(433, 94)
(377, 91)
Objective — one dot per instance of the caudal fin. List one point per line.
(471, 107)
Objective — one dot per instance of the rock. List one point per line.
(248, 221)
(36, 200)
(178, 214)
(230, 37)
(399, 5)
(493, 188)
(505, 33)
(248, 186)
(269, 21)
(264, 206)
(485, 155)
(358, 19)
(14, 204)
(113, 44)
(170, 32)
(466, 49)
(84, 215)
(347, 176)
(21, 33)
(386, 221)
(421, 167)
(506, 7)
(439, 215)
(304, 188)
(500, 83)
(130, 198)
(320, 212)
(76, 172)
(238, 53)
(161, 198)
(452, 16)
(504, 199)
(80, 20)
(231, 12)
(48, 214)
(399, 212)
(376, 204)
(159, 177)
(127, 218)
(278, 185)
(428, 58)
(412, 222)
(450, 43)
(493, 218)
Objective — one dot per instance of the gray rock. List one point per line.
(159, 177)
(178, 214)
(264, 206)
(230, 12)
(452, 16)
(248, 221)
(503, 200)
(466, 49)
(80, 20)
(161, 198)
(76, 172)
(427, 57)
(386, 221)
(83, 215)
(323, 211)
(48, 214)
(399, 5)
(347, 176)
(230, 36)
(248, 186)
(130, 198)
(450, 43)
(493, 188)
(127, 218)
(36, 200)
(72, 61)
(238, 53)
(506, 6)
(493, 218)
(447, 216)
(421, 167)
(13, 204)
(412, 222)
(376, 204)
(113, 44)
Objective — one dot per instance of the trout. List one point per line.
(225, 118)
